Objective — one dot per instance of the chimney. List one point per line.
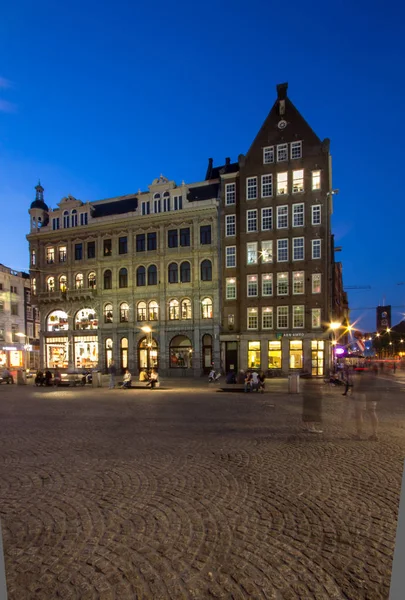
(209, 169)
(227, 161)
(282, 91)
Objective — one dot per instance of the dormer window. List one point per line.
(74, 218)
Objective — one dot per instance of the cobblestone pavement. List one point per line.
(193, 494)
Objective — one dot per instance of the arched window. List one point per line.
(124, 353)
(86, 318)
(79, 281)
(74, 218)
(185, 272)
(91, 279)
(57, 321)
(108, 351)
(152, 275)
(206, 305)
(124, 312)
(50, 284)
(153, 311)
(186, 309)
(66, 222)
(107, 279)
(166, 201)
(157, 206)
(181, 352)
(108, 313)
(141, 311)
(123, 278)
(34, 286)
(174, 310)
(141, 276)
(63, 283)
(206, 270)
(173, 273)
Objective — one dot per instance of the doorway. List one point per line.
(231, 356)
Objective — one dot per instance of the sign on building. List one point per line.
(383, 318)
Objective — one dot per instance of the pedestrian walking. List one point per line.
(112, 369)
(348, 379)
(312, 407)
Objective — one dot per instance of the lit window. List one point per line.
(282, 217)
(79, 281)
(174, 310)
(267, 251)
(316, 249)
(230, 256)
(186, 309)
(298, 215)
(34, 286)
(141, 311)
(274, 355)
(252, 287)
(316, 283)
(298, 282)
(298, 317)
(230, 225)
(267, 186)
(316, 180)
(124, 312)
(230, 193)
(206, 306)
(62, 253)
(254, 360)
(282, 284)
(267, 318)
(282, 317)
(251, 188)
(282, 152)
(91, 279)
(251, 253)
(268, 155)
(316, 214)
(230, 288)
(33, 258)
(50, 255)
(282, 184)
(296, 355)
(63, 283)
(282, 250)
(252, 318)
(153, 311)
(251, 220)
(50, 284)
(316, 318)
(296, 150)
(267, 219)
(267, 284)
(298, 181)
(298, 248)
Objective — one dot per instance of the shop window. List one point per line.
(152, 275)
(107, 279)
(141, 276)
(57, 321)
(206, 270)
(50, 284)
(123, 278)
(57, 352)
(86, 319)
(153, 311)
(124, 312)
(148, 353)
(186, 309)
(317, 357)
(141, 311)
(91, 279)
(296, 358)
(63, 283)
(206, 305)
(274, 355)
(180, 352)
(174, 310)
(124, 353)
(86, 352)
(185, 272)
(108, 351)
(207, 352)
(173, 273)
(107, 247)
(108, 313)
(254, 355)
(79, 281)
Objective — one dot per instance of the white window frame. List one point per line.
(296, 180)
(268, 155)
(319, 319)
(281, 309)
(251, 219)
(252, 247)
(296, 239)
(282, 150)
(280, 185)
(251, 184)
(279, 249)
(252, 285)
(267, 278)
(316, 243)
(279, 215)
(227, 218)
(230, 194)
(230, 255)
(296, 146)
(267, 217)
(267, 311)
(316, 179)
(313, 285)
(301, 308)
(299, 214)
(230, 283)
(254, 310)
(301, 281)
(266, 252)
(267, 185)
(316, 209)
(281, 279)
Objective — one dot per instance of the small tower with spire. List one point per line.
(38, 210)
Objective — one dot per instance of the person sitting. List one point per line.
(39, 378)
(153, 379)
(127, 380)
(48, 378)
(231, 377)
(248, 381)
(255, 381)
(143, 376)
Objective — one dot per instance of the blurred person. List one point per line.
(231, 377)
(312, 407)
(255, 381)
(127, 380)
(348, 379)
(262, 379)
(365, 401)
(112, 369)
(248, 381)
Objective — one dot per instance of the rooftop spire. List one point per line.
(40, 191)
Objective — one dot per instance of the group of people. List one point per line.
(47, 378)
(151, 377)
(254, 381)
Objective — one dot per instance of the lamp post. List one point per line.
(146, 329)
(26, 349)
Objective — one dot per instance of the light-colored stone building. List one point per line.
(132, 278)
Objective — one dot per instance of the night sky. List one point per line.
(99, 98)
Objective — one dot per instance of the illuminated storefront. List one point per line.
(86, 319)
(11, 357)
(148, 354)
(296, 355)
(274, 355)
(181, 353)
(57, 352)
(86, 352)
(254, 355)
(317, 356)
(57, 321)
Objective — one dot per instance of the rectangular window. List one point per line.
(316, 214)
(251, 253)
(254, 354)
(267, 219)
(123, 245)
(298, 181)
(230, 288)
(251, 188)
(62, 253)
(78, 251)
(152, 241)
(178, 202)
(298, 282)
(316, 249)
(91, 250)
(13, 289)
(157, 206)
(282, 317)
(230, 225)
(298, 317)
(230, 256)
(282, 284)
(267, 318)
(267, 251)
(316, 318)
(230, 193)
(282, 184)
(267, 284)
(282, 152)
(172, 238)
(166, 205)
(296, 356)
(50, 256)
(205, 235)
(274, 355)
(231, 321)
(316, 180)
(298, 248)
(251, 220)
(252, 318)
(55, 223)
(252, 287)
(140, 242)
(14, 308)
(282, 250)
(282, 217)
(316, 283)
(267, 186)
(185, 236)
(146, 208)
(298, 215)
(83, 218)
(268, 155)
(296, 150)
(107, 247)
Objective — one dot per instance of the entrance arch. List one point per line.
(148, 354)
(181, 352)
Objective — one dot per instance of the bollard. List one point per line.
(96, 379)
(21, 378)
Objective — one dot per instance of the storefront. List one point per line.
(57, 321)
(181, 353)
(86, 318)
(254, 359)
(148, 354)
(274, 355)
(317, 357)
(11, 357)
(57, 353)
(86, 352)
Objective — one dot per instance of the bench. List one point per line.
(234, 387)
(141, 384)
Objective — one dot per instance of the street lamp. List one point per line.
(146, 329)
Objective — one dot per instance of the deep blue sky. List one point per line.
(99, 98)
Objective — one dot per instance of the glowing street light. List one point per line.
(335, 325)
